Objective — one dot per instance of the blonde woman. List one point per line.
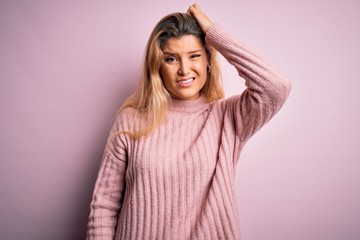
(169, 165)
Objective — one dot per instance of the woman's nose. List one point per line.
(184, 68)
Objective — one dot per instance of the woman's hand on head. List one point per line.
(203, 20)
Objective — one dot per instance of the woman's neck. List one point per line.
(188, 106)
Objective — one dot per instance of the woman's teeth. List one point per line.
(186, 81)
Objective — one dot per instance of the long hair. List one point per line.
(151, 99)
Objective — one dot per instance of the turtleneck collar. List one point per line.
(188, 106)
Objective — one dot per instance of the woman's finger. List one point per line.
(202, 19)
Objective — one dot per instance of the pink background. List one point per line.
(66, 66)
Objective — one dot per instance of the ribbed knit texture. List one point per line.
(178, 183)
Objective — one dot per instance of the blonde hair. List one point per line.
(151, 97)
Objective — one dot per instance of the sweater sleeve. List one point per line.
(266, 88)
(109, 189)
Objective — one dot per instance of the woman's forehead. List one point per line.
(186, 43)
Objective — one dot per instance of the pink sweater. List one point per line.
(178, 183)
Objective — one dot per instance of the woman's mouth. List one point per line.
(185, 82)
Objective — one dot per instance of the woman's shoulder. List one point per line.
(124, 116)
(125, 112)
(129, 118)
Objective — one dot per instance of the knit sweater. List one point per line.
(178, 182)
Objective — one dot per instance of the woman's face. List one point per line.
(184, 67)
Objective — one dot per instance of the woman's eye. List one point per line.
(195, 56)
(170, 59)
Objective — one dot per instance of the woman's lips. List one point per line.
(185, 82)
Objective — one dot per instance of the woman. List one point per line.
(169, 165)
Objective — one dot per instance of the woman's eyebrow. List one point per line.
(191, 52)
(195, 51)
(169, 53)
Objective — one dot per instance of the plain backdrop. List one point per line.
(66, 67)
